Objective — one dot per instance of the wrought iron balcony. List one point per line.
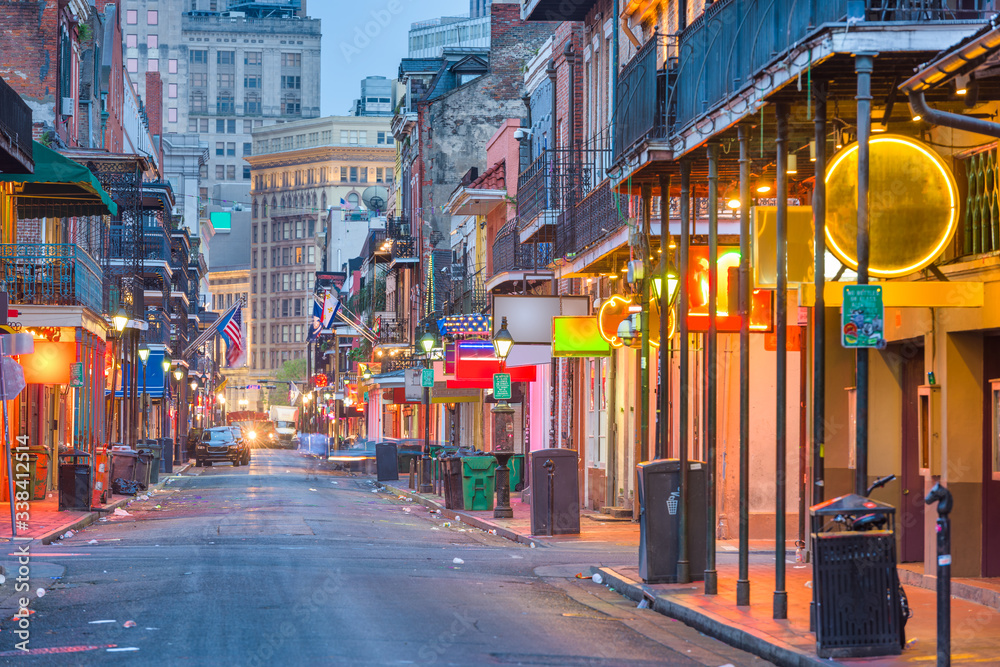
(555, 180)
(159, 329)
(641, 98)
(52, 274)
(592, 219)
(374, 244)
(393, 330)
(733, 40)
(509, 254)
(398, 228)
(404, 250)
(15, 132)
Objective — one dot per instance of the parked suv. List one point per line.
(222, 444)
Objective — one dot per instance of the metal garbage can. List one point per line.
(38, 468)
(102, 477)
(478, 482)
(856, 592)
(555, 496)
(167, 455)
(386, 463)
(155, 450)
(74, 480)
(451, 472)
(143, 464)
(516, 465)
(659, 520)
(123, 462)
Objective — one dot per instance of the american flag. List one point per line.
(231, 329)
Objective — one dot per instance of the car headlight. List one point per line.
(201, 445)
(271, 436)
(251, 435)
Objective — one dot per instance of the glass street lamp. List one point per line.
(221, 398)
(120, 319)
(166, 364)
(178, 374)
(194, 385)
(427, 342)
(144, 357)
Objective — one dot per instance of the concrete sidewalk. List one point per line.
(975, 627)
(46, 522)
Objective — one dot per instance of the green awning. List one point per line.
(59, 187)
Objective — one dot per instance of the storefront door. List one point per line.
(911, 503)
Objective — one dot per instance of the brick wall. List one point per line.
(29, 56)
(154, 109)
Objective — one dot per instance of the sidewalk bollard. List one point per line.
(944, 500)
(413, 474)
(550, 467)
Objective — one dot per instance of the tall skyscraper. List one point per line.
(479, 8)
(228, 66)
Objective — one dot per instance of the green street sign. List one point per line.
(501, 386)
(862, 317)
(76, 374)
(427, 378)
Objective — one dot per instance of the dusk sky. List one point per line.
(368, 38)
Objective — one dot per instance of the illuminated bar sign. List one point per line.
(727, 314)
(476, 362)
(578, 336)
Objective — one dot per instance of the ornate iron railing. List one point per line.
(981, 223)
(15, 129)
(509, 254)
(373, 244)
(398, 228)
(404, 247)
(557, 179)
(52, 274)
(591, 220)
(641, 98)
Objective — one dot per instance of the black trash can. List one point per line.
(659, 520)
(386, 464)
(152, 448)
(143, 463)
(856, 593)
(74, 480)
(451, 472)
(123, 463)
(564, 517)
(167, 456)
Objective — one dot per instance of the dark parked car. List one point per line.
(221, 444)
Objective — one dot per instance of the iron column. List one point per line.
(711, 367)
(683, 564)
(743, 580)
(781, 328)
(863, 65)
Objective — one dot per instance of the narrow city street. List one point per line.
(286, 562)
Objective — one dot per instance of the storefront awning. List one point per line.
(59, 187)
(153, 376)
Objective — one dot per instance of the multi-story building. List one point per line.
(227, 67)
(378, 97)
(429, 39)
(307, 176)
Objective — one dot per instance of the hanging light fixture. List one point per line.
(120, 319)
(812, 150)
(792, 166)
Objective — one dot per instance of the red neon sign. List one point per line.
(727, 312)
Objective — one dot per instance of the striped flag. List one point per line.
(231, 330)
(331, 305)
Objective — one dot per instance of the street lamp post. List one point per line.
(178, 376)
(427, 343)
(144, 357)
(503, 430)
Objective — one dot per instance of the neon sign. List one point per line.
(727, 316)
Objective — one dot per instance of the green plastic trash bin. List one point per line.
(478, 482)
(155, 448)
(516, 465)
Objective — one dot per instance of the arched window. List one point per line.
(353, 200)
(324, 201)
(284, 202)
(255, 207)
(274, 206)
(265, 207)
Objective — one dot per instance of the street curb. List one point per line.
(719, 628)
(91, 517)
(473, 521)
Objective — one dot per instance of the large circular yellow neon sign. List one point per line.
(913, 206)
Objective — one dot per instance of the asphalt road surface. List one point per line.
(285, 562)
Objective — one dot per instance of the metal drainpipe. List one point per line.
(919, 106)
(614, 68)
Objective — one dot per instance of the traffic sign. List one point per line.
(501, 386)
(863, 317)
(427, 378)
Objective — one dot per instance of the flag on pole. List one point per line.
(316, 325)
(331, 305)
(294, 392)
(232, 331)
